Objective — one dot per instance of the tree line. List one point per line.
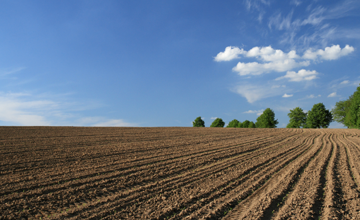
(346, 112)
(265, 120)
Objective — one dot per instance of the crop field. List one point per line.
(179, 173)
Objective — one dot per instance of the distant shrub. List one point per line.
(297, 118)
(218, 122)
(246, 123)
(198, 122)
(233, 124)
(251, 125)
(318, 117)
(266, 119)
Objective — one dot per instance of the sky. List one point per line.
(164, 63)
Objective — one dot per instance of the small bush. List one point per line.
(233, 124)
(218, 123)
(198, 122)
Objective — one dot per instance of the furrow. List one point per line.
(333, 201)
(191, 180)
(350, 206)
(138, 162)
(218, 206)
(276, 188)
(306, 197)
(103, 183)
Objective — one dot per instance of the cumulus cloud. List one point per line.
(257, 112)
(330, 53)
(344, 82)
(270, 60)
(230, 53)
(256, 68)
(332, 94)
(301, 75)
(287, 96)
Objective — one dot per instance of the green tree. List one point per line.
(218, 122)
(246, 123)
(297, 118)
(318, 117)
(240, 125)
(233, 124)
(352, 118)
(198, 122)
(340, 110)
(266, 120)
(252, 125)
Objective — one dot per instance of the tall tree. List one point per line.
(198, 122)
(352, 118)
(218, 122)
(233, 124)
(266, 120)
(340, 110)
(318, 117)
(246, 123)
(251, 125)
(297, 118)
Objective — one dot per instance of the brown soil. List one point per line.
(179, 173)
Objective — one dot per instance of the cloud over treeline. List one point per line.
(269, 59)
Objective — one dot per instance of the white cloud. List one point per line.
(344, 82)
(312, 96)
(253, 93)
(256, 68)
(301, 75)
(26, 109)
(230, 53)
(315, 25)
(11, 71)
(269, 54)
(255, 4)
(287, 96)
(213, 118)
(276, 60)
(332, 94)
(114, 123)
(280, 22)
(330, 53)
(316, 17)
(17, 111)
(277, 86)
(296, 2)
(257, 112)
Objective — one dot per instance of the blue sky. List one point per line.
(164, 63)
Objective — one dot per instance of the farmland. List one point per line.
(179, 173)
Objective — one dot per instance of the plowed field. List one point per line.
(179, 173)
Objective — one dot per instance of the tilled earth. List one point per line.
(179, 173)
